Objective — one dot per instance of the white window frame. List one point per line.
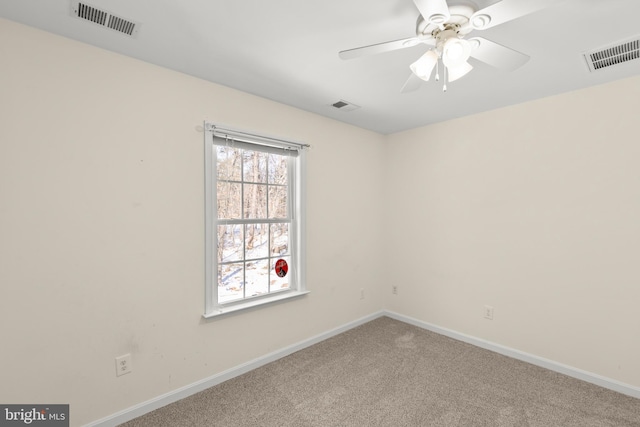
(297, 203)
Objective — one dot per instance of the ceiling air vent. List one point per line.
(104, 18)
(612, 55)
(345, 106)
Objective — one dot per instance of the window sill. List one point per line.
(233, 308)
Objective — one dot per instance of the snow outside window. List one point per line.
(254, 220)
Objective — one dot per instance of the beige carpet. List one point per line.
(389, 373)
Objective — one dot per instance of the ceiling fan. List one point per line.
(445, 28)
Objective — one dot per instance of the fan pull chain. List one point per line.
(444, 81)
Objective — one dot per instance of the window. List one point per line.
(254, 220)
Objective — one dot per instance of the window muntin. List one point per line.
(254, 221)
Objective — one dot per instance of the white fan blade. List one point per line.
(507, 10)
(378, 48)
(497, 55)
(412, 84)
(435, 11)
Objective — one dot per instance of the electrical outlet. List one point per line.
(488, 312)
(394, 290)
(123, 364)
(362, 293)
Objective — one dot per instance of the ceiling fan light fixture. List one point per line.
(478, 22)
(455, 52)
(423, 67)
(458, 71)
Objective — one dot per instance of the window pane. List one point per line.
(229, 163)
(256, 241)
(255, 201)
(230, 282)
(277, 202)
(278, 169)
(279, 239)
(229, 206)
(255, 166)
(280, 273)
(230, 243)
(257, 277)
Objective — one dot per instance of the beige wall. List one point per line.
(102, 219)
(534, 210)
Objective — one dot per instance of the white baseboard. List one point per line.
(525, 357)
(186, 391)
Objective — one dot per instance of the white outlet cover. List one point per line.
(488, 312)
(123, 365)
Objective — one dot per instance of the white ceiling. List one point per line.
(287, 50)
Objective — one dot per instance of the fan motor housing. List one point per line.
(460, 15)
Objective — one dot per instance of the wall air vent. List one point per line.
(625, 51)
(104, 18)
(344, 106)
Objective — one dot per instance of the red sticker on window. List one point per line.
(281, 268)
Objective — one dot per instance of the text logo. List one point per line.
(34, 415)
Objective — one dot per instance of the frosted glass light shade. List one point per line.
(457, 71)
(455, 52)
(423, 67)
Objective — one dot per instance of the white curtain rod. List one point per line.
(221, 131)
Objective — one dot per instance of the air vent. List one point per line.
(104, 18)
(612, 55)
(345, 106)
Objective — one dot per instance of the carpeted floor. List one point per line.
(389, 373)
